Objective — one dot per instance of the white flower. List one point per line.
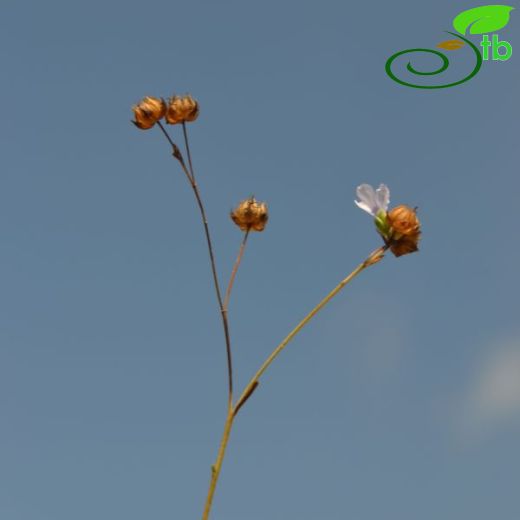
(373, 201)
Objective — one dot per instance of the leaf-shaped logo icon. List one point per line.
(480, 20)
(451, 45)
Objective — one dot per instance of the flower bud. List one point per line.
(250, 215)
(148, 111)
(181, 109)
(405, 230)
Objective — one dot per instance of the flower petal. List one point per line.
(382, 197)
(367, 197)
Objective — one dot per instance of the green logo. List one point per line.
(479, 20)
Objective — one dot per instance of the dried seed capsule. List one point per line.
(250, 215)
(405, 230)
(148, 111)
(181, 109)
(403, 220)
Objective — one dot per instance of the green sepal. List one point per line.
(382, 224)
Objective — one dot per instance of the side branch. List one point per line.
(375, 257)
(191, 179)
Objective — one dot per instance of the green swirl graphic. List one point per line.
(442, 68)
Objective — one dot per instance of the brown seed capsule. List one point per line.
(405, 230)
(181, 109)
(403, 220)
(250, 215)
(148, 111)
(405, 245)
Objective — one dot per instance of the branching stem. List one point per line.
(190, 176)
(373, 258)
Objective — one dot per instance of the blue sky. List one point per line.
(400, 401)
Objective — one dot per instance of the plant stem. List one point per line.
(235, 269)
(215, 469)
(373, 258)
(186, 141)
(178, 155)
